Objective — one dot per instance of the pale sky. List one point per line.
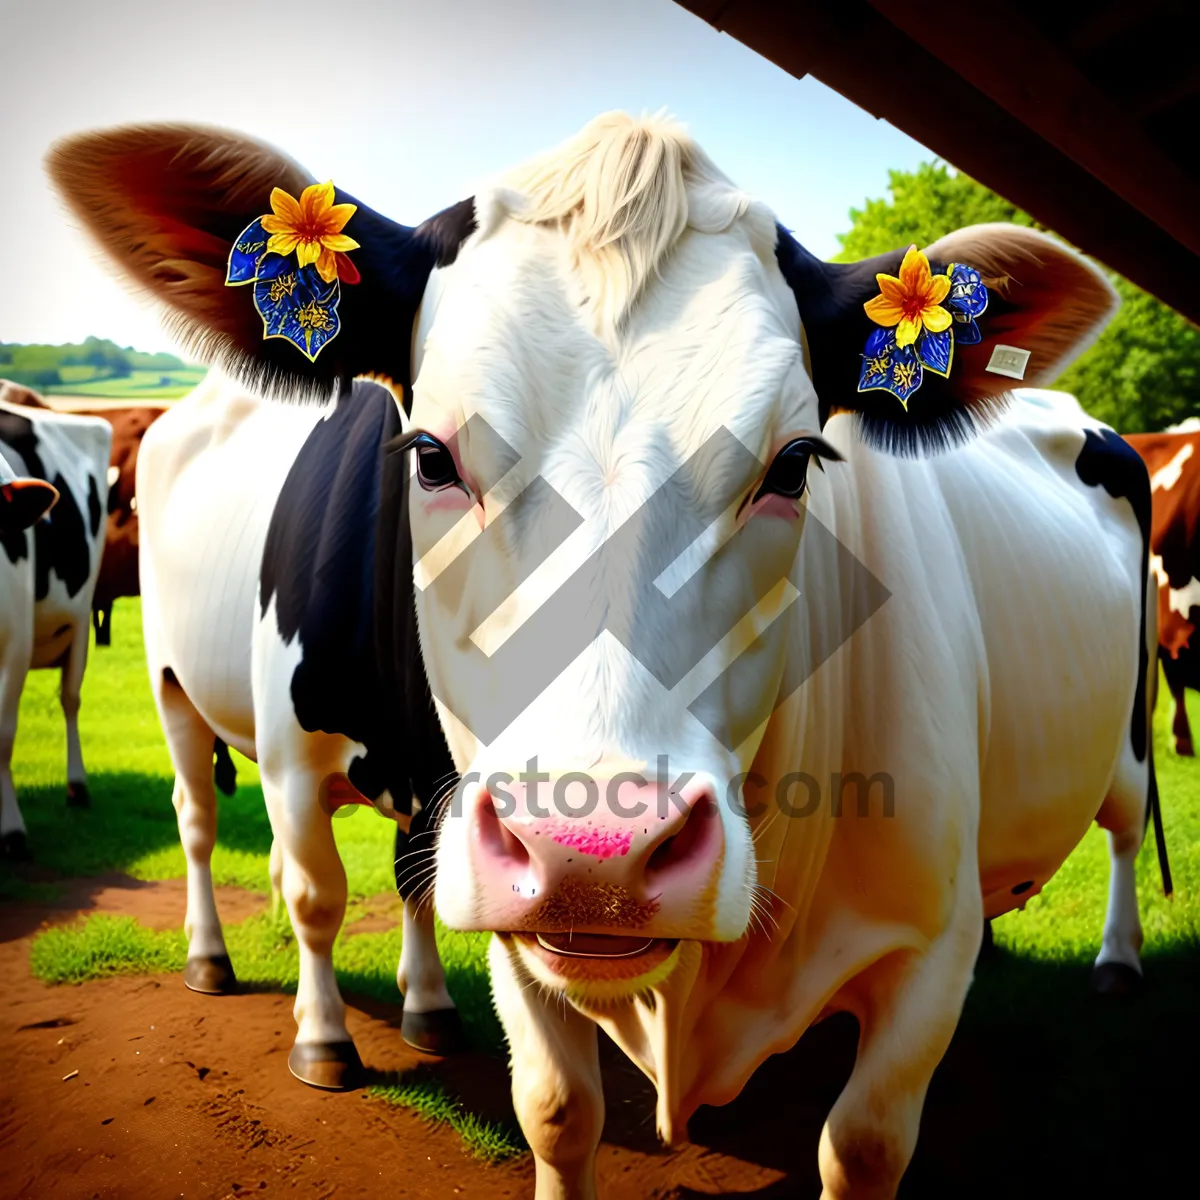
(405, 104)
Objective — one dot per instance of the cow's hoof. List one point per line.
(210, 976)
(437, 1032)
(78, 796)
(1116, 979)
(331, 1066)
(14, 846)
(1185, 749)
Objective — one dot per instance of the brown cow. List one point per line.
(1173, 458)
(18, 393)
(119, 566)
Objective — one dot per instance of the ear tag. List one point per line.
(295, 257)
(1009, 360)
(921, 317)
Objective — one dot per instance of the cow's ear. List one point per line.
(1045, 305)
(23, 501)
(168, 203)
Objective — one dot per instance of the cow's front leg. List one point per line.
(69, 696)
(314, 889)
(911, 1004)
(14, 666)
(431, 1021)
(556, 1085)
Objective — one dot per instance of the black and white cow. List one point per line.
(47, 576)
(278, 619)
(633, 326)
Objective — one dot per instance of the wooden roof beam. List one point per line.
(1010, 61)
(847, 45)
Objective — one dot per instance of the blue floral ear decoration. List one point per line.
(296, 259)
(920, 317)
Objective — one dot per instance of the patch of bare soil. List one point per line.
(159, 905)
(137, 1088)
(376, 914)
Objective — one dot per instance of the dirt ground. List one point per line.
(138, 1088)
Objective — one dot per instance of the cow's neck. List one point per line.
(698, 1005)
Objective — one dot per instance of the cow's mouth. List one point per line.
(594, 945)
(581, 959)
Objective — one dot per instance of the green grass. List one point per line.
(131, 828)
(1062, 924)
(489, 1141)
(1036, 994)
(138, 385)
(105, 945)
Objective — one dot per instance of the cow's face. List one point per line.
(604, 516)
(611, 431)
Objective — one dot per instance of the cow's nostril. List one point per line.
(497, 838)
(684, 845)
(662, 855)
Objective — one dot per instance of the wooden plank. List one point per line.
(1107, 23)
(1003, 54)
(1166, 92)
(841, 42)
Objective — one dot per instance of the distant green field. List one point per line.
(168, 384)
(98, 367)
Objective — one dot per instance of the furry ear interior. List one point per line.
(1047, 299)
(166, 202)
(1044, 298)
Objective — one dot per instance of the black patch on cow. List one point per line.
(18, 433)
(395, 261)
(93, 505)
(1107, 460)
(830, 297)
(1022, 888)
(15, 543)
(169, 677)
(338, 564)
(61, 545)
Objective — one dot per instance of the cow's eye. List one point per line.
(787, 474)
(436, 468)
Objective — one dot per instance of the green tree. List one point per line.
(1143, 373)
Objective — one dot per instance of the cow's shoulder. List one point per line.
(318, 570)
(337, 567)
(317, 561)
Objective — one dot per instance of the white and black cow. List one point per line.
(47, 575)
(619, 371)
(277, 611)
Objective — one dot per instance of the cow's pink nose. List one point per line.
(662, 849)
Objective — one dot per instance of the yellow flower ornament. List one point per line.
(913, 301)
(312, 227)
(296, 259)
(921, 316)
